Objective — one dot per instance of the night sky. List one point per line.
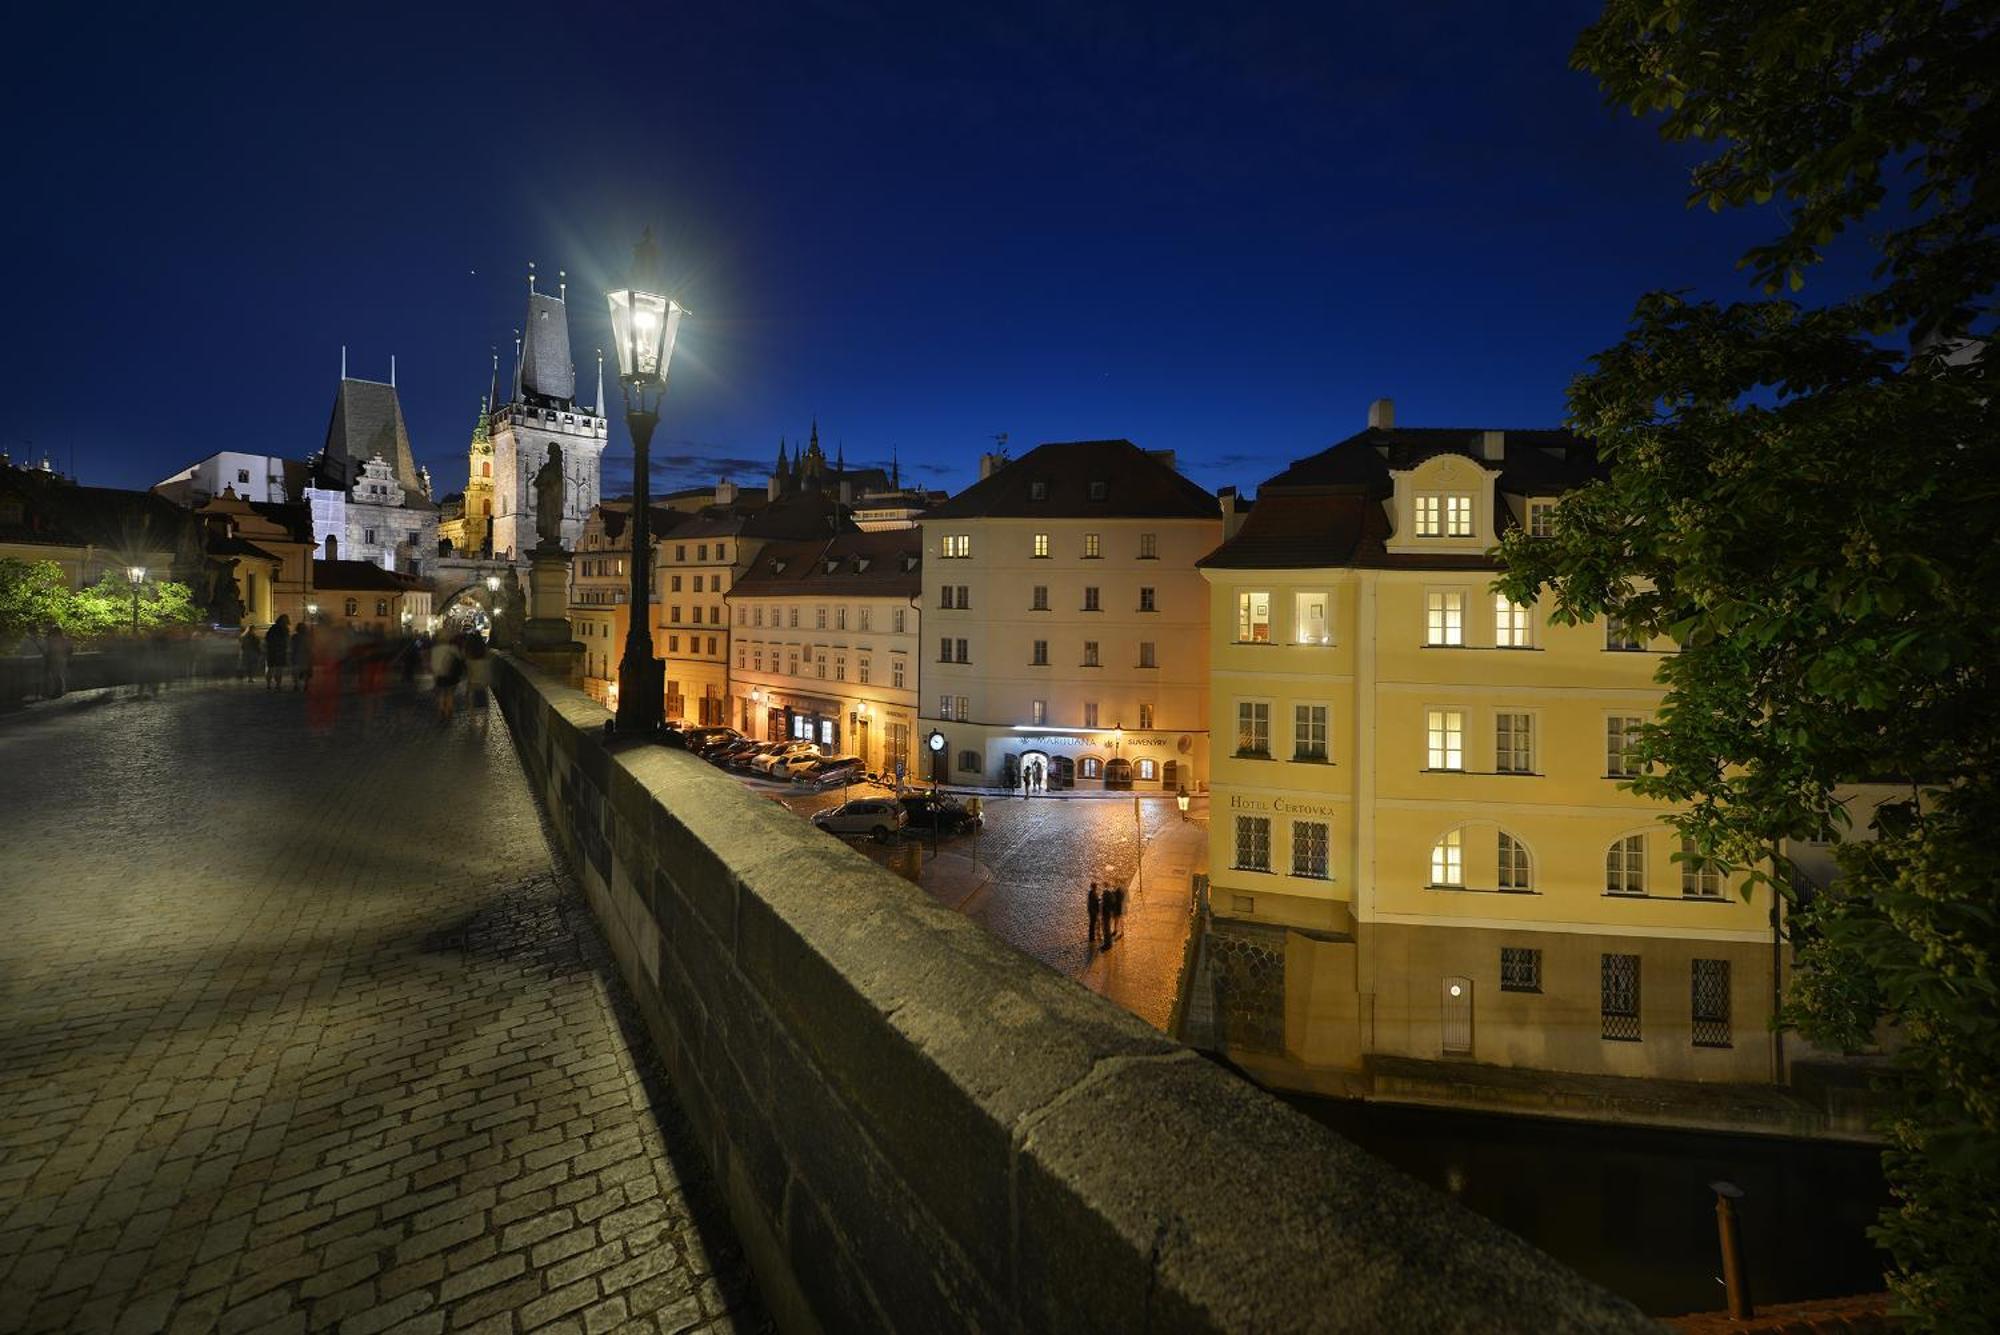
(1216, 230)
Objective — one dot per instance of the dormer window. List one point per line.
(1038, 491)
(1541, 519)
(1100, 490)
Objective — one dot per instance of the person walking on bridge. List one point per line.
(1092, 903)
(249, 654)
(277, 643)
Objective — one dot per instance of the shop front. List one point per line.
(1083, 759)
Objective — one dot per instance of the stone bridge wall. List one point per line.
(918, 1128)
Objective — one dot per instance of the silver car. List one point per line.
(879, 817)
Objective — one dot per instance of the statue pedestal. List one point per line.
(545, 640)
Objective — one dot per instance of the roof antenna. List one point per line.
(600, 383)
(343, 361)
(562, 285)
(531, 278)
(517, 365)
(392, 370)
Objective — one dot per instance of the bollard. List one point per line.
(1734, 1282)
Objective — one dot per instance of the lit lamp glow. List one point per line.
(137, 574)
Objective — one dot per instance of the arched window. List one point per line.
(968, 762)
(1625, 866)
(1448, 859)
(1090, 767)
(1515, 873)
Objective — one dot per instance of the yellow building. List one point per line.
(364, 598)
(825, 645)
(1417, 815)
(466, 522)
(1065, 623)
(600, 592)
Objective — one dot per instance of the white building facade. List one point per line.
(543, 411)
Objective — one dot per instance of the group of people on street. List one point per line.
(282, 648)
(1108, 908)
(460, 660)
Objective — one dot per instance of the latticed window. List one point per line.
(1710, 980)
(1445, 739)
(1040, 600)
(1429, 516)
(1520, 969)
(1090, 598)
(1041, 544)
(1448, 859)
(1039, 654)
(1514, 743)
(1090, 654)
(1621, 735)
(1149, 547)
(1625, 866)
(1618, 1001)
(1458, 516)
(1541, 519)
(1619, 636)
(1091, 548)
(1513, 863)
(1309, 849)
(1510, 623)
(1698, 881)
(1253, 843)
(1444, 618)
(1253, 726)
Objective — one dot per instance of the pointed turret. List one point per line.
(548, 375)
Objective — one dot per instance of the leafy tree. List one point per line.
(1813, 516)
(105, 608)
(33, 595)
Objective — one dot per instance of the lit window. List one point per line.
(1625, 866)
(896, 671)
(1458, 516)
(1309, 620)
(1253, 618)
(1309, 732)
(1253, 843)
(1448, 859)
(1429, 517)
(1514, 743)
(1445, 732)
(1090, 767)
(1149, 769)
(1444, 618)
(1510, 623)
(957, 545)
(1309, 849)
(1038, 711)
(1253, 727)
(1513, 855)
(1621, 736)
(1041, 544)
(861, 670)
(1698, 881)
(944, 708)
(1090, 545)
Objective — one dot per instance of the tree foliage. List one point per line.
(35, 595)
(1813, 516)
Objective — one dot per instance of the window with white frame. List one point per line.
(1621, 736)
(1625, 866)
(1309, 619)
(1444, 617)
(1149, 769)
(1444, 731)
(1698, 880)
(1430, 516)
(896, 671)
(1090, 653)
(1147, 602)
(964, 709)
(1513, 856)
(1458, 516)
(794, 620)
(1038, 711)
(1090, 713)
(1038, 654)
(1620, 637)
(1309, 849)
(1253, 727)
(1541, 519)
(1041, 544)
(1448, 859)
(1090, 767)
(861, 669)
(840, 613)
(1513, 743)
(1091, 548)
(944, 649)
(1090, 603)
(1309, 732)
(1253, 843)
(867, 618)
(957, 546)
(1253, 618)
(1510, 623)
(1145, 717)
(1147, 657)
(964, 655)
(1149, 549)
(1039, 600)
(819, 618)
(945, 709)
(898, 620)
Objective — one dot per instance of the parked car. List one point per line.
(947, 815)
(878, 817)
(701, 739)
(795, 767)
(826, 769)
(727, 753)
(768, 762)
(749, 755)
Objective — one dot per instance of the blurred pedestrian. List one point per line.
(302, 656)
(55, 662)
(277, 642)
(249, 655)
(478, 672)
(1091, 904)
(447, 665)
(1114, 910)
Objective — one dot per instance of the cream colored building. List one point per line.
(1417, 802)
(600, 592)
(1065, 623)
(825, 639)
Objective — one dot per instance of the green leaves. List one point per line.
(35, 595)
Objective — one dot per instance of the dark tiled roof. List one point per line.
(361, 577)
(1136, 485)
(367, 421)
(59, 512)
(1331, 509)
(798, 517)
(547, 373)
(872, 565)
(295, 517)
(232, 546)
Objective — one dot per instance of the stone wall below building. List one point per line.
(919, 1128)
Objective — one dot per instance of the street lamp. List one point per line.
(643, 327)
(312, 611)
(137, 574)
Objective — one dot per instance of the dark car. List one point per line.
(702, 740)
(729, 752)
(946, 815)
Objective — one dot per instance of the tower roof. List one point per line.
(546, 369)
(367, 421)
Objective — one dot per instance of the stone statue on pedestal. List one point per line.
(549, 500)
(512, 613)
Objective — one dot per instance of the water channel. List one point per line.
(1631, 1208)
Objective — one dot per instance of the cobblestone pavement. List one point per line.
(303, 1030)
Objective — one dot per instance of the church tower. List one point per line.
(479, 484)
(541, 411)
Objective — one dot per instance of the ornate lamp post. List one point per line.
(643, 327)
(137, 574)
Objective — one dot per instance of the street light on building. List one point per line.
(643, 328)
(137, 574)
(312, 611)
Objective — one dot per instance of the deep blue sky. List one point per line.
(1219, 230)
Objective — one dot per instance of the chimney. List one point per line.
(771, 491)
(989, 464)
(1382, 415)
(1493, 445)
(725, 492)
(1163, 456)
